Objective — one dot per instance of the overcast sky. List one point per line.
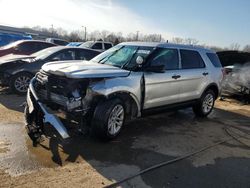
(220, 22)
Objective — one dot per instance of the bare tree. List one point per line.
(234, 46)
(177, 40)
(104, 34)
(118, 37)
(191, 41)
(246, 48)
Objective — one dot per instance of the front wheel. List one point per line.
(205, 105)
(108, 119)
(19, 83)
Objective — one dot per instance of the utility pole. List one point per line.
(85, 33)
(137, 35)
(52, 29)
(160, 37)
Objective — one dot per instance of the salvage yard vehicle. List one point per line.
(125, 82)
(24, 47)
(237, 80)
(17, 71)
(236, 66)
(97, 45)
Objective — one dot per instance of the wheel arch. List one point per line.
(130, 101)
(214, 87)
(21, 72)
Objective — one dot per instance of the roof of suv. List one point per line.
(167, 45)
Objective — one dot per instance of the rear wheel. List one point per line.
(108, 119)
(205, 105)
(19, 83)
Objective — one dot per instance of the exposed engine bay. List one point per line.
(71, 96)
(62, 92)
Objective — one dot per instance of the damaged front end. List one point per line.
(48, 94)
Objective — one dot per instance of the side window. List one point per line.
(167, 57)
(40, 46)
(191, 59)
(81, 55)
(64, 56)
(107, 46)
(86, 55)
(214, 59)
(97, 46)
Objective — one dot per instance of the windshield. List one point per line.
(87, 44)
(123, 56)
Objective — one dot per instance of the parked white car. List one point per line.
(97, 45)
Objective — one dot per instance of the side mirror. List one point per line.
(156, 69)
(139, 61)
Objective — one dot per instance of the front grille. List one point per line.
(58, 89)
(56, 84)
(58, 99)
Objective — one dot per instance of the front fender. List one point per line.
(130, 84)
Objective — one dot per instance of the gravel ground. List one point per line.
(87, 162)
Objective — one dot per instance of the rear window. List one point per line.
(191, 59)
(214, 59)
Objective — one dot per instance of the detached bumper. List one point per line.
(49, 118)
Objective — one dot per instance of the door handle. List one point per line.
(176, 76)
(205, 73)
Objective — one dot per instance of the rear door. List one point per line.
(162, 88)
(193, 73)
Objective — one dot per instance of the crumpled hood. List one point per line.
(84, 69)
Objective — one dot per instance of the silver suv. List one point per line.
(127, 81)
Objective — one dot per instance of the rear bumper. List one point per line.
(33, 102)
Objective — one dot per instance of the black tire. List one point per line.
(101, 117)
(14, 79)
(198, 107)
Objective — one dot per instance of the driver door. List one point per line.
(162, 88)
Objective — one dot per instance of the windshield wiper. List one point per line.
(114, 52)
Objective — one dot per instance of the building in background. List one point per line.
(10, 34)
